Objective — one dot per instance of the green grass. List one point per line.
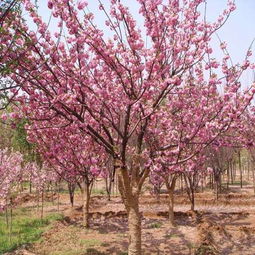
(26, 228)
(99, 192)
(155, 225)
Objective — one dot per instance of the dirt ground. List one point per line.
(226, 226)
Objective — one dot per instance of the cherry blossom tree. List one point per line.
(194, 172)
(161, 175)
(8, 9)
(116, 88)
(73, 156)
(11, 175)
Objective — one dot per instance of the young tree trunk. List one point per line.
(217, 189)
(170, 185)
(108, 185)
(202, 184)
(248, 169)
(240, 168)
(190, 187)
(134, 225)
(10, 221)
(228, 164)
(38, 201)
(219, 183)
(182, 185)
(192, 207)
(58, 188)
(6, 217)
(86, 198)
(253, 179)
(42, 204)
(231, 172)
(171, 207)
(30, 186)
(71, 189)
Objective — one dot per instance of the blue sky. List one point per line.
(239, 31)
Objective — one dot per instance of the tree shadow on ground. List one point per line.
(92, 251)
(171, 240)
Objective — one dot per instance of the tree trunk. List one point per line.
(248, 169)
(130, 184)
(71, 189)
(253, 179)
(108, 185)
(190, 188)
(192, 208)
(86, 198)
(30, 186)
(6, 217)
(217, 190)
(240, 168)
(171, 207)
(134, 225)
(219, 181)
(58, 187)
(231, 171)
(170, 185)
(228, 164)
(42, 205)
(10, 221)
(131, 202)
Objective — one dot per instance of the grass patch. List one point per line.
(26, 228)
(99, 192)
(155, 225)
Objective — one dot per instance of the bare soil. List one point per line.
(226, 226)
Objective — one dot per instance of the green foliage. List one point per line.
(26, 228)
(14, 137)
(20, 143)
(155, 225)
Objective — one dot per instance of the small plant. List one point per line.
(155, 225)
